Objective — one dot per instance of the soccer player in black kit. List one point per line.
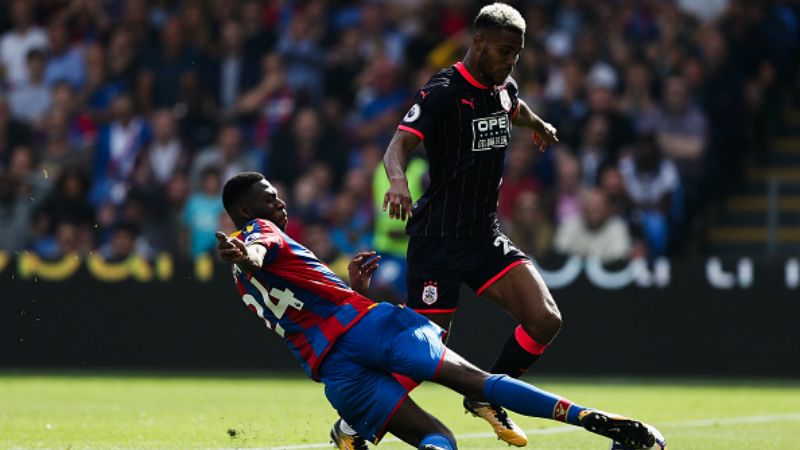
(464, 116)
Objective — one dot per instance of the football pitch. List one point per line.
(258, 410)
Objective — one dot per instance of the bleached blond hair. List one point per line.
(500, 15)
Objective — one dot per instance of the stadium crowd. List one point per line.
(120, 120)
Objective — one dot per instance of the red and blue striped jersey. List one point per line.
(297, 295)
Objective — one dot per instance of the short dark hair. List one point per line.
(236, 186)
(499, 16)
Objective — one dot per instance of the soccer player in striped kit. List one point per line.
(464, 116)
(356, 346)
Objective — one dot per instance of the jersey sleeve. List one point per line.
(264, 233)
(513, 93)
(427, 110)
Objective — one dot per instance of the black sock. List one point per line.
(513, 360)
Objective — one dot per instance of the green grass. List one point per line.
(73, 410)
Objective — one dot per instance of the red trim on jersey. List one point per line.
(498, 276)
(412, 131)
(434, 311)
(383, 430)
(516, 111)
(527, 342)
(439, 366)
(462, 69)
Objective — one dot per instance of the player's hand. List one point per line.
(361, 268)
(545, 136)
(398, 199)
(231, 250)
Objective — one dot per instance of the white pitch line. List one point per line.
(558, 430)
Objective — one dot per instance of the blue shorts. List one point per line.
(357, 372)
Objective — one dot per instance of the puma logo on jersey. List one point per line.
(470, 103)
(423, 94)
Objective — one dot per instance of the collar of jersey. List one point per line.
(462, 69)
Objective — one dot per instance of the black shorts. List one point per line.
(437, 267)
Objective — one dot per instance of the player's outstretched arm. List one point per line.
(398, 197)
(249, 258)
(360, 269)
(544, 134)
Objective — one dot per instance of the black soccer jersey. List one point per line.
(466, 128)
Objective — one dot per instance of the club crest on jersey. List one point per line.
(413, 113)
(505, 99)
(490, 132)
(430, 292)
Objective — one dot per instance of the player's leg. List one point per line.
(508, 278)
(460, 375)
(417, 427)
(522, 292)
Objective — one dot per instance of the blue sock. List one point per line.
(529, 400)
(439, 440)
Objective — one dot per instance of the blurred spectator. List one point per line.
(637, 99)
(66, 120)
(15, 214)
(166, 154)
(176, 192)
(518, 177)
(530, 227)
(165, 67)
(13, 133)
(377, 39)
(389, 237)
(31, 99)
(349, 230)
(123, 59)
(379, 102)
(228, 156)
(613, 187)
(98, 93)
(118, 146)
(233, 70)
(64, 60)
(197, 26)
(202, 211)
(568, 185)
(344, 64)
(303, 56)
(594, 152)
(596, 233)
(153, 229)
(271, 100)
(124, 243)
(68, 201)
(651, 182)
(306, 140)
(259, 37)
(681, 130)
(319, 242)
(16, 43)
